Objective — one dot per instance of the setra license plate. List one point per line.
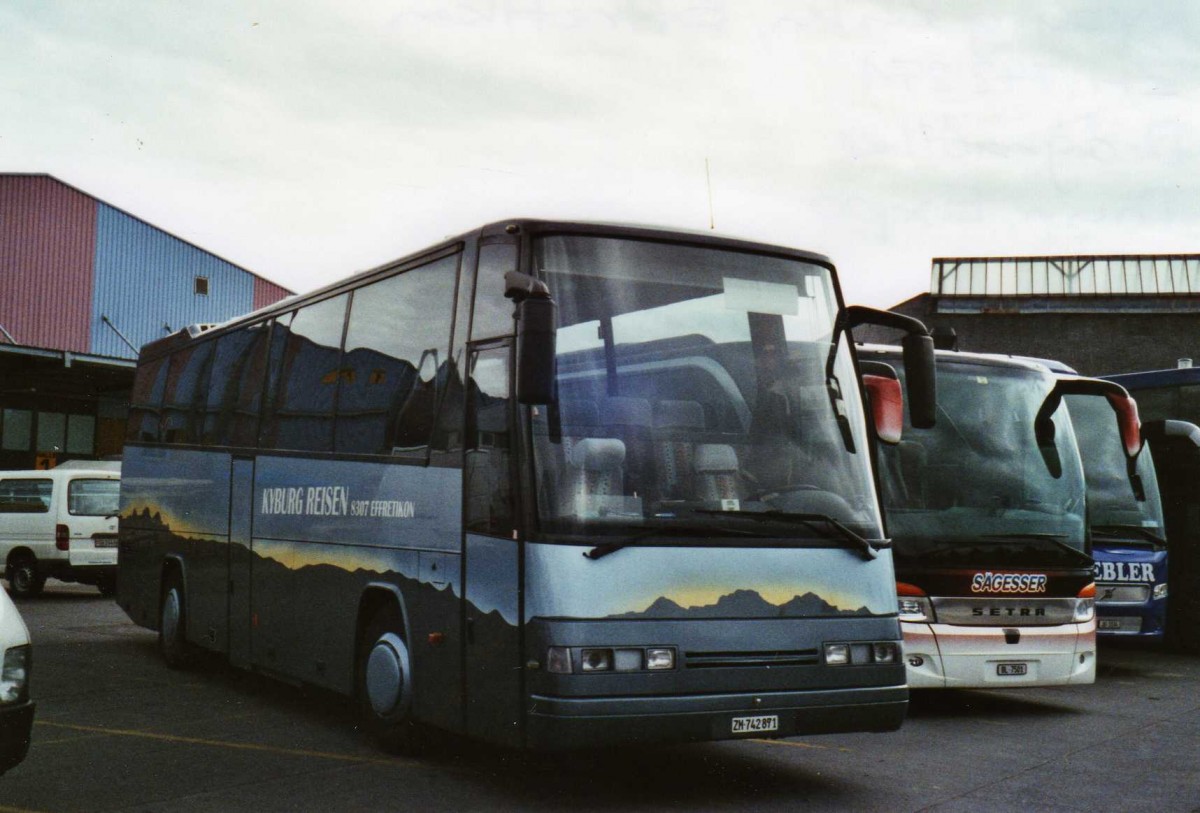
(754, 725)
(1012, 669)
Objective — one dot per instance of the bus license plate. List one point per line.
(754, 725)
(1012, 669)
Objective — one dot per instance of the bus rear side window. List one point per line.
(396, 361)
(238, 368)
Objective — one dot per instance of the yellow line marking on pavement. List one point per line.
(235, 746)
(7, 809)
(794, 744)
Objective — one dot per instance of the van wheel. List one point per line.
(23, 578)
(172, 637)
(385, 683)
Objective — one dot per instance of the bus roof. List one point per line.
(512, 227)
(1173, 376)
(991, 359)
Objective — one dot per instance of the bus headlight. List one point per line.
(660, 659)
(14, 675)
(914, 605)
(1160, 590)
(566, 660)
(596, 660)
(1085, 604)
(862, 653)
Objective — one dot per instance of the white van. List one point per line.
(60, 523)
(16, 709)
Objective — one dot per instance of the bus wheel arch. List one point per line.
(21, 570)
(383, 671)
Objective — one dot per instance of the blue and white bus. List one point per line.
(545, 484)
(1169, 402)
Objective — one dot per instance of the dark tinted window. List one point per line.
(235, 392)
(184, 393)
(306, 355)
(396, 362)
(145, 401)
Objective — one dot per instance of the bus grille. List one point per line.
(719, 660)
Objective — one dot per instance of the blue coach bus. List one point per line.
(1125, 522)
(1169, 402)
(547, 485)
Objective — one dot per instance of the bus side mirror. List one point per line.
(1166, 428)
(1127, 421)
(887, 406)
(919, 370)
(921, 377)
(537, 326)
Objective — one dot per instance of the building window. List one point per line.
(201, 286)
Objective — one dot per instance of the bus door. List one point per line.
(241, 509)
(492, 621)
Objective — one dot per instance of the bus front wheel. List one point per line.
(385, 683)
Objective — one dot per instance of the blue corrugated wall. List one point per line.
(145, 278)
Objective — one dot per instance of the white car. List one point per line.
(60, 523)
(16, 709)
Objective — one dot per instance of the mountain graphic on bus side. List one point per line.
(744, 604)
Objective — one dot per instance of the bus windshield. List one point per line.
(696, 385)
(978, 476)
(1112, 504)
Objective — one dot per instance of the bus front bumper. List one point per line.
(564, 723)
(1128, 620)
(944, 656)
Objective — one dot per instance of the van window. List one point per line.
(25, 496)
(93, 498)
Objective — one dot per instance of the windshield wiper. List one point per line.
(1056, 539)
(605, 548)
(1123, 532)
(867, 547)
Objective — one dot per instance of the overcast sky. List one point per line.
(305, 139)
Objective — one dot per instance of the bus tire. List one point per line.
(385, 683)
(24, 581)
(172, 630)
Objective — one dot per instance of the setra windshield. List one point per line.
(1113, 507)
(978, 478)
(697, 385)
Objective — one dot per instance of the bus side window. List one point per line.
(493, 313)
(145, 401)
(301, 415)
(396, 360)
(488, 480)
(234, 398)
(187, 381)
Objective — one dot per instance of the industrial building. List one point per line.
(1100, 314)
(83, 285)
